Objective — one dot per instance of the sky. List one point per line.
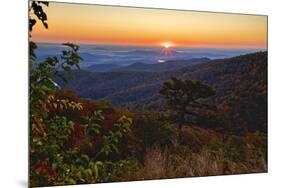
(96, 24)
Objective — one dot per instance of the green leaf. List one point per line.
(96, 168)
(67, 68)
(106, 149)
(115, 148)
(45, 25)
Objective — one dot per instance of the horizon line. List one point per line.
(155, 46)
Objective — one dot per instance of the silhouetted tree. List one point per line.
(36, 12)
(183, 98)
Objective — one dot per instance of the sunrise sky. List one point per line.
(92, 24)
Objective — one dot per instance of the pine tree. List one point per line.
(183, 97)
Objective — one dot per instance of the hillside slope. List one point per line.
(240, 82)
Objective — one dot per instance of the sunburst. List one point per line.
(166, 48)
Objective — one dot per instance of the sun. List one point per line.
(167, 48)
(166, 44)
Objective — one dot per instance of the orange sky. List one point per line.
(92, 24)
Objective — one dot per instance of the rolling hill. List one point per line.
(170, 65)
(240, 82)
(101, 67)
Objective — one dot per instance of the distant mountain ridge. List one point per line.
(91, 85)
(126, 55)
(169, 65)
(239, 81)
(102, 67)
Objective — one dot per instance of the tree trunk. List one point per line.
(180, 133)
